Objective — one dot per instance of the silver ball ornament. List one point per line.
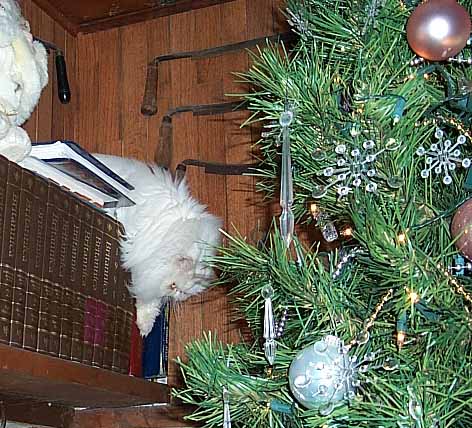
(321, 375)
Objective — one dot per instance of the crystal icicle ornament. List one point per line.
(443, 156)
(226, 411)
(353, 168)
(287, 220)
(327, 227)
(269, 324)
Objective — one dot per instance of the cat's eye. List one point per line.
(173, 286)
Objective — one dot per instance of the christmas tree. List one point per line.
(365, 136)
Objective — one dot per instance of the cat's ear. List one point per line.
(184, 263)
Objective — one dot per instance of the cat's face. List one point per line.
(185, 279)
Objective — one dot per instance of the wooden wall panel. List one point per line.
(99, 72)
(111, 69)
(134, 43)
(51, 119)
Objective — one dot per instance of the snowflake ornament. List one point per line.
(443, 156)
(353, 168)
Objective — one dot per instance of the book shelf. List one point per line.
(30, 374)
(65, 311)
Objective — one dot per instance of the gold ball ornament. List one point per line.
(438, 29)
(461, 229)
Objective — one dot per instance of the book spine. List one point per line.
(53, 236)
(55, 320)
(152, 350)
(9, 250)
(59, 322)
(6, 294)
(119, 326)
(86, 254)
(8, 281)
(123, 324)
(126, 346)
(108, 351)
(65, 248)
(136, 352)
(50, 310)
(165, 342)
(90, 311)
(35, 269)
(61, 206)
(74, 280)
(43, 321)
(123, 320)
(78, 317)
(33, 298)
(24, 246)
(97, 290)
(111, 264)
(65, 349)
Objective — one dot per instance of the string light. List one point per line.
(414, 297)
(314, 210)
(401, 238)
(347, 232)
(401, 336)
(401, 329)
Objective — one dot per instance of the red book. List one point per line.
(136, 354)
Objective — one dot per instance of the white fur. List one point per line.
(168, 236)
(23, 75)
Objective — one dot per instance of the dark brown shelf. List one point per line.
(29, 374)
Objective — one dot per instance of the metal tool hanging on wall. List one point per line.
(149, 105)
(163, 156)
(63, 89)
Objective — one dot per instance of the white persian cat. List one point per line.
(168, 235)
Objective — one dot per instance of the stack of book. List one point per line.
(64, 292)
(76, 170)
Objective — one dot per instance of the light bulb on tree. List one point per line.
(438, 29)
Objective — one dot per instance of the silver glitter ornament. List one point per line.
(322, 375)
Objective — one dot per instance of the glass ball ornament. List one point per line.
(461, 229)
(438, 29)
(321, 376)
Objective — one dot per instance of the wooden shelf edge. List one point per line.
(101, 24)
(57, 16)
(165, 416)
(74, 27)
(31, 412)
(49, 378)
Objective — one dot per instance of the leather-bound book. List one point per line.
(7, 290)
(9, 245)
(97, 293)
(111, 256)
(35, 266)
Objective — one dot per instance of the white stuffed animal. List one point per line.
(23, 75)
